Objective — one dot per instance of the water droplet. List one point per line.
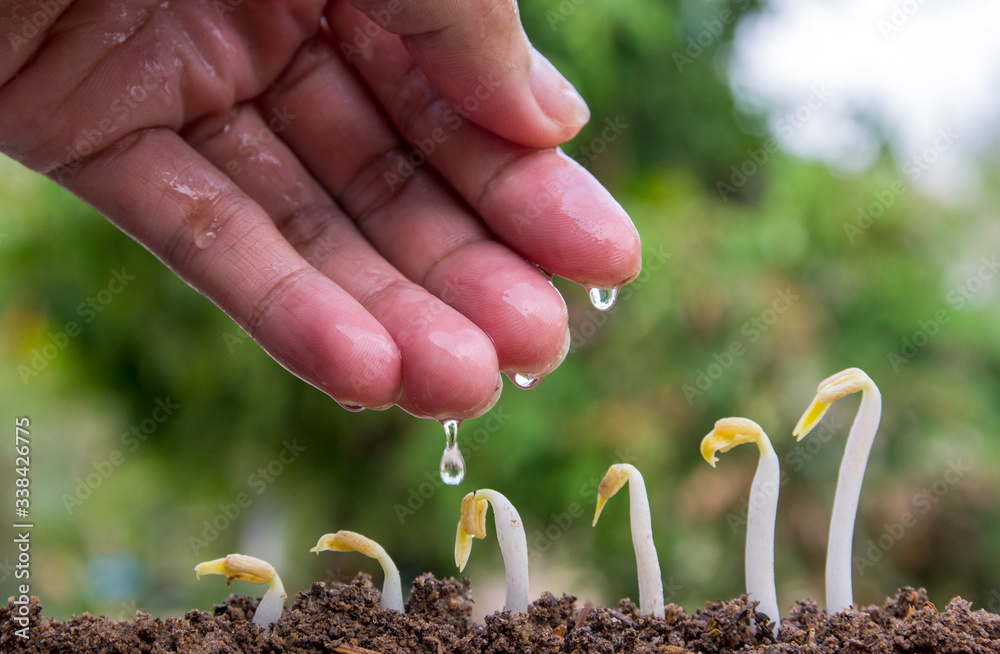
(603, 298)
(353, 408)
(452, 466)
(526, 382)
(452, 462)
(205, 237)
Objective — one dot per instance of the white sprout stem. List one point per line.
(759, 562)
(392, 587)
(839, 593)
(513, 548)
(271, 605)
(646, 561)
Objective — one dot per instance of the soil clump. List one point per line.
(347, 619)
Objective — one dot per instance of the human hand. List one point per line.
(235, 142)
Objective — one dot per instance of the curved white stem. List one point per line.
(646, 561)
(510, 536)
(392, 587)
(759, 564)
(839, 585)
(350, 541)
(763, 507)
(271, 605)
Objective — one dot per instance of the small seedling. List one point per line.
(349, 541)
(763, 507)
(510, 535)
(839, 592)
(256, 571)
(647, 564)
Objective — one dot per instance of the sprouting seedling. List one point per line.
(763, 506)
(349, 541)
(647, 564)
(510, 535)
(256, 571)
(839, 593)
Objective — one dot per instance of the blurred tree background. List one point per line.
(162, 436)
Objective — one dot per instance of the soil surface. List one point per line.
(347, 619)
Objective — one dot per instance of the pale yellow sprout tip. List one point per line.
(727, 434)
(829, 391)
(473, 519)
(614, 479)
(348, 541)
(238, 566)
(216, 567)
(601, 501)
(463, 546)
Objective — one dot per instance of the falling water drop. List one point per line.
(452, 463)
(603, 298)
(526, 382)
(205, 237)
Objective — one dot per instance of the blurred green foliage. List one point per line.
(745, 303)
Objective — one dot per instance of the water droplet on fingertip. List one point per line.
(452, 466)
(203, 238)
(353, 408)
(452, 463)
(526, 382)
(603, 298)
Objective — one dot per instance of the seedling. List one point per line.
(256, 571)
(839, 593)
(349, 541)
(647, 564)
(763, 507)
(510, 535)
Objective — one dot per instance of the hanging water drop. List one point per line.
(452, 462)
(603, 298)
(526, 382)
(205, 237)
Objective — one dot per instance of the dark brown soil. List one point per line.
(347, 619)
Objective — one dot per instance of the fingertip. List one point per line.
(557, 98)
(448, 365)
(330, 341)
(450, 373)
